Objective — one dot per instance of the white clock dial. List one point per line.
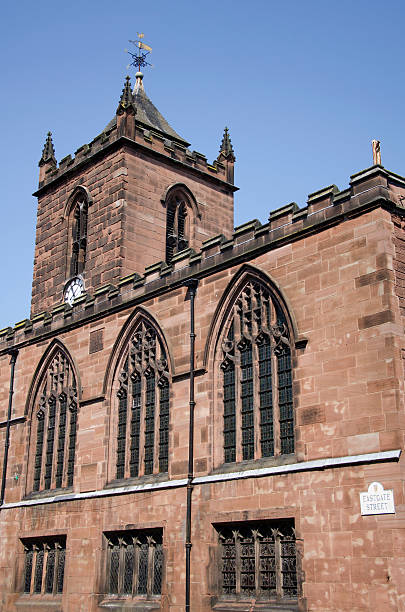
(73, 290)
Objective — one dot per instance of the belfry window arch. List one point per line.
(54, 426)
(78, 227)
(142, 405)
(77, 209)
(179, 222)
(255, 359)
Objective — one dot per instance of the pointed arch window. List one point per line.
(177, 224)
(258, 418)
(143, 406)
(54, 426)
(78, 227)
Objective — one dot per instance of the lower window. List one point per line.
(44, 565)
(258, 560)
(135, 563)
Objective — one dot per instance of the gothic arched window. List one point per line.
(78, 228)
(143, 406)
(177, 224)
(54, 423)
(258, 418)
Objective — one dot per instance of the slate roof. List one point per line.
(148, 115)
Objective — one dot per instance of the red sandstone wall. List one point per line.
(106, 184)
(399, 261)
(340, 285)
(126, 222)
(145, 215)
(349, 562)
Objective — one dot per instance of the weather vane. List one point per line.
(139, 57)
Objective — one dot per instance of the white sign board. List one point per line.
(377, 501)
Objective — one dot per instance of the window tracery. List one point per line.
(54, 426)
(143, 406)
(135, 563)
(258, 419)
(177, 225)
(44, 565)
(258, 560)
(78, 236)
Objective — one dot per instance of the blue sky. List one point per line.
(303, 87)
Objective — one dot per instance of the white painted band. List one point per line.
(303, 466)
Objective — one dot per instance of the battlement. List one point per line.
(371, 188)
(151, 139)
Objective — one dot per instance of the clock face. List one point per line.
(73, 290)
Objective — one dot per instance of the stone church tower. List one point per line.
(136, 196)
(199, 417)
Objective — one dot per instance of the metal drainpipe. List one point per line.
(192, 284)
(13, 353)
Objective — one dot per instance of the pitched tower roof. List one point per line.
(146, 112)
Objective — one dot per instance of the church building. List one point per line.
(198, 417)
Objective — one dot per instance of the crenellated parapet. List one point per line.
(153, 141)
(138, 121)
(372, 188)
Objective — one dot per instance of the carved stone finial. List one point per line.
(127, 98)
(126, 112)
(226, 148)
(227, 156)
(375, 144)
(48, 153)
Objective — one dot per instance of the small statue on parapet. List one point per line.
(375, 144)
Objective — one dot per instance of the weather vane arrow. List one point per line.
(140, 55)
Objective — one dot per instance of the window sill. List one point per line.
(252, 605)
(255, 464)
(48, 493)
(130, 605)
(137, 480)
(39, 602)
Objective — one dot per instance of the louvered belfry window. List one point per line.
(44, 565)
(54, 426)
(258, 417)
(135, 563)
(79, 237)
(258, 560)
(176, 226)
(143, 406)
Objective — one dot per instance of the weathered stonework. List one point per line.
(338, 268)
